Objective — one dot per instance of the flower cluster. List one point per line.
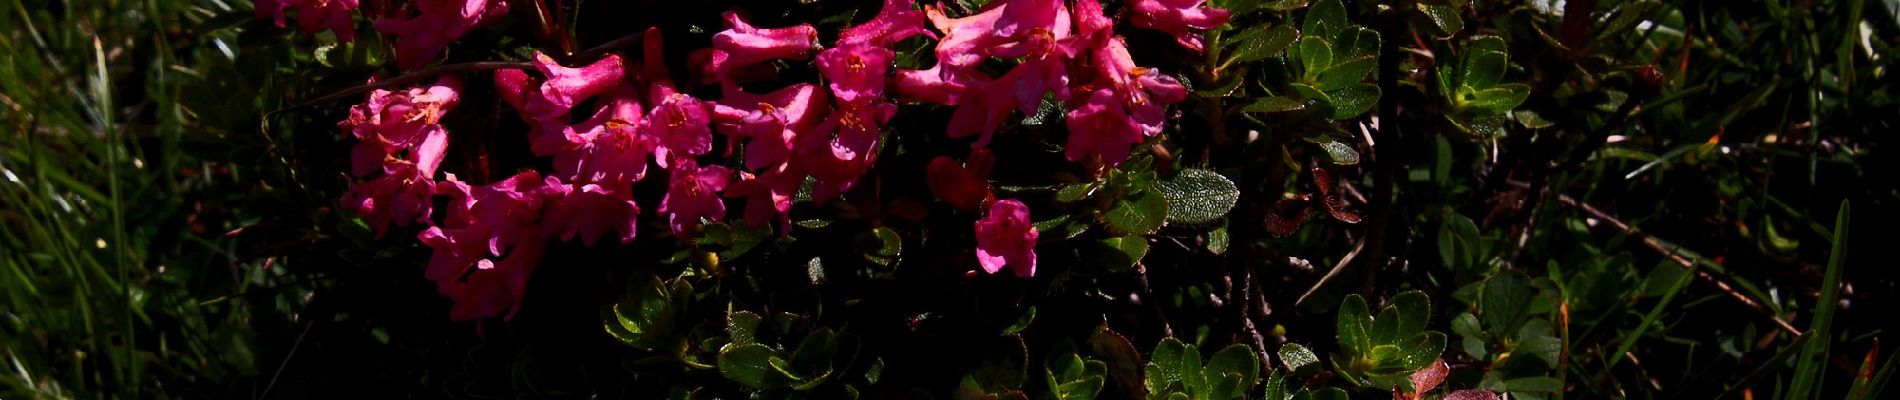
(603, 124)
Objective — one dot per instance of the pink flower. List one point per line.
(935, 85)
(1175, 17)
(1006, 237)
(1101, 128)
(966, 41)
(314, 15)
(678, 122)
(694, 194)
(856, 72)
(399, 197)
(588, 211)
(983, 107)
(768, 195)
(1144, 91)
(843, 148)
(964, 185)
(742, 45)
(421, 39)
(896, 21)
(611, 147)
(393, 121)
(486, 222)
(547, 107)
(770, 122)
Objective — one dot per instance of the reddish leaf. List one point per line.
(1426, 379)
(1286, 216)
(1472, 395)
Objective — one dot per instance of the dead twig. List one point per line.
(1674, 254)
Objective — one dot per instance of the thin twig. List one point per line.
(1341, 265)
(1674, 254)
(286, 364)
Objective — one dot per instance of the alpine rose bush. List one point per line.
(601, 124)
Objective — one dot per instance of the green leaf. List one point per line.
(1198, 196)
(1534, 384)
(1484, 69)
(882, 246)
(814, 358)
(1232, 371)
(1260, 42)
(1441, 19)
(1501, 98)
(1165, 365)
(1345, 72)
(1062, 227)
(1274, 104)
(645, 318)
(1315, 56)
(1297, 357)
(1125, 251)
(1141, 214)
(1122, 362)
(1283, 5)
(1354, 43)
(1354, 323)
(1004, 368)
(1811, 364)
(743, 327)
(1217, 240)
(1077, 192)
(1506, 299)
(1350, 101)
(1339, 153)
(1325, 18)
(1276, 387)
(751, 365)
(1412, 354)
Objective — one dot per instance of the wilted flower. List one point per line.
(1006, 237)
(964, 185)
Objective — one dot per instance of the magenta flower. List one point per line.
(547, 107)
(485, 222)
(983, 107)
(399, 197)
(768, 195)
(856, 72)
(313, 15)
(1101, 128)
(611, 147)
(681, 125)
(394, 121)
(1144, 91)
(421, 39)
(843, 148)
(935, 85)
(896, 21)
(742, 44)
(966, 41)
(1175, 17)
(694, 194)
(770, 122)
(1006, 237)
(588, 211)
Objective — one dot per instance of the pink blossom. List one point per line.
(935, 85)
(742, 44)
(983, 107)
(314, 15)
(610, 147)
(393, 121)
(896, 21)
(399, 197)
(768, 195)
(1175, 17)
(588, 211)
(694, 194)
(1102, 128)
(1144, 91)
(498, 220)
(547, 107)
(770, 122)
(421, 39)
(964, 185)
(843, 148)
(679, 122)
(966, 41)
(1006, 237)
(856, 72)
